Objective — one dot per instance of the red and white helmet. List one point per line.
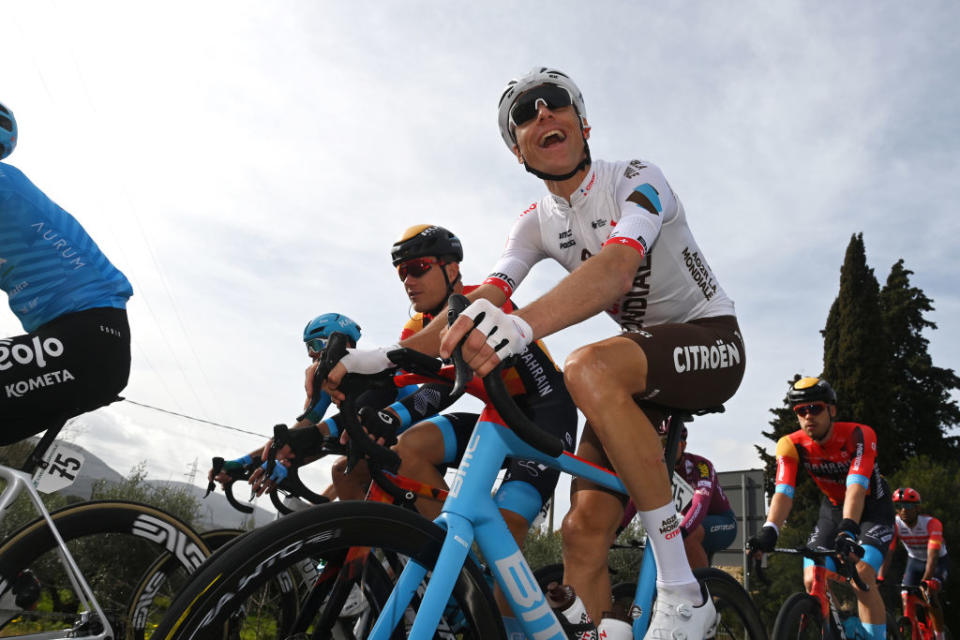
(906, 494)
(534, 78)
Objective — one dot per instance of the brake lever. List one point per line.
(217, 467)
(456, 304)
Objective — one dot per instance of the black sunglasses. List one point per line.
(812, 409)
(525, 108)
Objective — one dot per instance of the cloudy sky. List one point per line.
(248, 165)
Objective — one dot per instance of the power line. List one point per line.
(182, 415)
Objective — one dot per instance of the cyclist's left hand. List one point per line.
(493, 336)
(932, 585)
(846, 541)
(363, 361)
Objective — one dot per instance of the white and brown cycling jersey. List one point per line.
(629, 203)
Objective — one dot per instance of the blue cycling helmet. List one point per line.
(318, 330)
(8, 132)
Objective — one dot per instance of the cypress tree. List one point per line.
(856, 353)
(922, 408)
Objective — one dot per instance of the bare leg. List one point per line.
(693, 543)
(353, 485)
(603, 378)
(421, 449)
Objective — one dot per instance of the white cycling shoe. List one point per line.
(676, 618)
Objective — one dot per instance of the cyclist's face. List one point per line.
(817, 426)
(907, 513)
(551, 142)
(429, 290)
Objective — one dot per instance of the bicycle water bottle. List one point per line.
(565, 602)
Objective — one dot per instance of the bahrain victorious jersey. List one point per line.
(49, 266)
(536, 374)
(847, 457)
(628, 203)
(926, 533)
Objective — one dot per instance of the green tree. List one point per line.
(922, 408)
(856, 353)
(173, 500)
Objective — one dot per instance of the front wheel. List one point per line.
(737, 615)
(799, 617)
(134, 557)
(358, 548)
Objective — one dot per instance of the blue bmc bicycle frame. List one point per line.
(470, 515)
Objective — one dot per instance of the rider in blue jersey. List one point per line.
(69, 298)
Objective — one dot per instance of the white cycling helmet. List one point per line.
(534, 78)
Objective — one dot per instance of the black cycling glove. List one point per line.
(380, 424)
(764, 541)
(846, 541)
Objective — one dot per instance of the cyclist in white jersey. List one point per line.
(620, 230)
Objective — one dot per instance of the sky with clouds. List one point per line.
(248, 165)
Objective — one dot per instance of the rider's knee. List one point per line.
(584, 532)
(583, 374)
(339, 468)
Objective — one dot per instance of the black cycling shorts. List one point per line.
(916, 568)
(876, 524)
(73, 364)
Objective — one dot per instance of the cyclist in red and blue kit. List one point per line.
(856, 504)
(71, 302)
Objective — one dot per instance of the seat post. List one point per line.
(35, 459)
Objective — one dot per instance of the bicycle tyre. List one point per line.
(799, 617)
(220, 592)
(115, 543)
(737, 614)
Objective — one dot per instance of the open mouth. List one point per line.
(552, 139)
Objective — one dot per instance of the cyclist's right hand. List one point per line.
(765, 540)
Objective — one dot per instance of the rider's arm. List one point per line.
(788, 461)
(589, 289)
(702, 495)
(935, 529)
(861, 468)
(780, 505)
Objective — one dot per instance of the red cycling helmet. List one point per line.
(906, 494)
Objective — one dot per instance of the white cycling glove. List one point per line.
(368, 361)
(506, 333)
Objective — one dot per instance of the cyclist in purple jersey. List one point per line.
(71, 301)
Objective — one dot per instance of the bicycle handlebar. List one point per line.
(516, 419)
(845, 568)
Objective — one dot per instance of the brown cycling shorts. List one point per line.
(692, 365)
